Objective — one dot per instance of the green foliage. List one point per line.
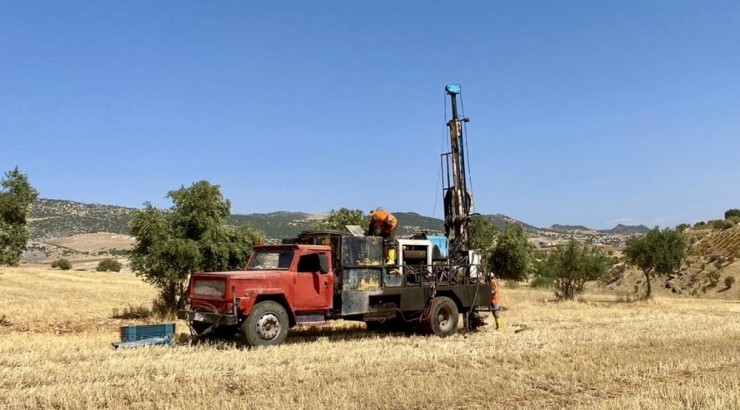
(734, 220)
(656, 253)
(339, 219)
(511, 258)
(730, 213)
(192, 236)
(729, 281)
(721, 224)
(61, 263)
(571, 266)
(108, 265)
(482, 232)
(682, 227)
(541, 282)
(16, 197)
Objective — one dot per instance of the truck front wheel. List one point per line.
(267, 325)
(441, 317)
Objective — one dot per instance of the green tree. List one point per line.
(108, 265)
(342, 217)
(656, 253)
(62, 263)
(730, 213)
(16, 198)
(511, 257)
(570, 267)
(483, 234)
(192, 236)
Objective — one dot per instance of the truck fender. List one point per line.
(247, 303)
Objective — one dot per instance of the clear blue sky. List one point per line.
(582, 112)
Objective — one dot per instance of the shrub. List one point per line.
(682, 227)
(541, 282)
(729, 281)
(713, 278)
(108, 265)
(722, 224)
(61, 263)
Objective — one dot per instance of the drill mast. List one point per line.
(458, 201)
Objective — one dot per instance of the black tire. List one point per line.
(441, 317)
(267, 325)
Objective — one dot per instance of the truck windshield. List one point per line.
(277, 259)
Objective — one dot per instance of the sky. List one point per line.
(581, 112)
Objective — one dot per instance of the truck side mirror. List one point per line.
(323, 263)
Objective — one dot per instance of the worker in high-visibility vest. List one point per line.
(383, 223)
(496, 303)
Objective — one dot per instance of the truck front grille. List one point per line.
(210, 287)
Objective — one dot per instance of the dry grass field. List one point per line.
(598, 353)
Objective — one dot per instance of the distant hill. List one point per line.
(277, 224)
(617, 230)
(54, 218)
(500, 221)
(568, 228)
(626, 230)
(410, 223)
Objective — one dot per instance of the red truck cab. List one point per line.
(283, 285)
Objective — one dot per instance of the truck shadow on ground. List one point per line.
(306, 335)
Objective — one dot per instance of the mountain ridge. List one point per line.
(60, 218)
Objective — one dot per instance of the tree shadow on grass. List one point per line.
(723, 290)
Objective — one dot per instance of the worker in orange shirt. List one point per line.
(383, 223)
(496, 303)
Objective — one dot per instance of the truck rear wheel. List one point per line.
(442, 317)
(267, 325)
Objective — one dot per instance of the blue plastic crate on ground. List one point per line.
(143, 335)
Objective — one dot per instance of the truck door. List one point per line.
(313, 284)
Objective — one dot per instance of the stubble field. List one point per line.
(55, 352)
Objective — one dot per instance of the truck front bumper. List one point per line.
(207, 317)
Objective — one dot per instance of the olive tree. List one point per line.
(511, 257)
(191, 236)
(656, 253)
(16, 198)
(483, 235)
(569, 268)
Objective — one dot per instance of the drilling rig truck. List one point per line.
(427, 285)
